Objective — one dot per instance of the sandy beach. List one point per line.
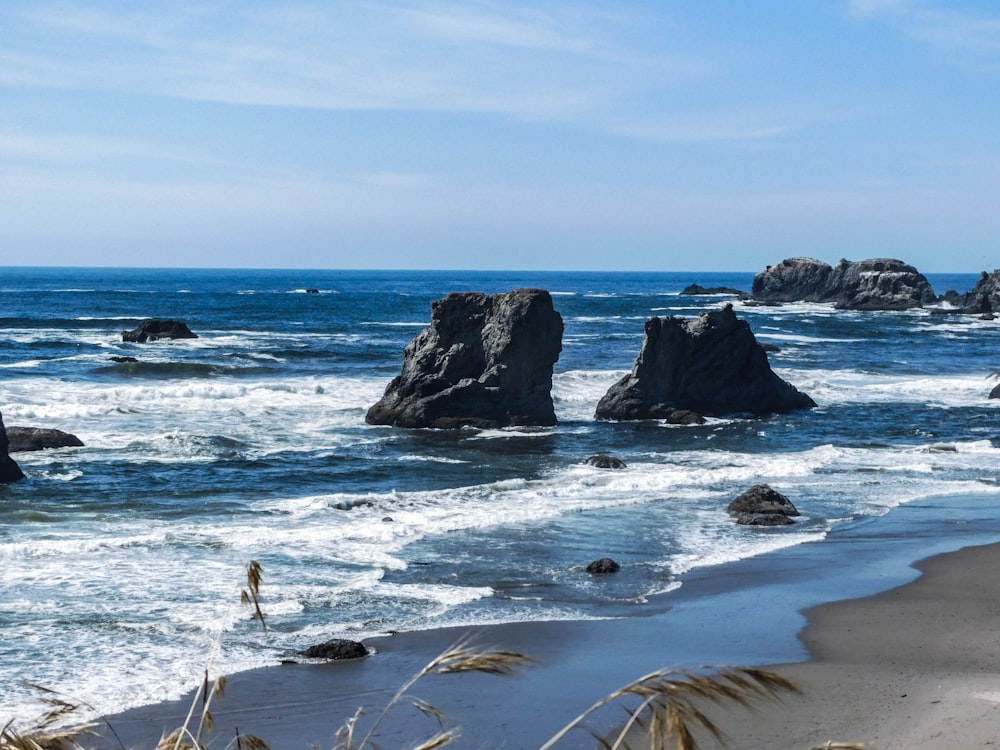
(915, 666)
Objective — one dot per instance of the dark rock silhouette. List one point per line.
(711, 366)
(153, 329)
(335, 649)
(604, 566)
(875, 284)
(762, 505)
(40, 438)
(605, 462)
(9, 470)
(984, 297)
(698, 289)
(484, 361)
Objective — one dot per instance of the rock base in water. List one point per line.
(485, 361)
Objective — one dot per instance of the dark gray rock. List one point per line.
(995, 393)
(153, 329)
(605, 462)
(698, 289)
(9, 470)
(604, 566)
(123, 360)
(985, 295)
(336, 649)
(762, 505)
(875, 284)
(484, 361)
(40, 438)
(712, 366)
(763, 519)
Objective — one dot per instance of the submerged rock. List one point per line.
(484, 361)
(604, 566)
(605, 462)
(153, 329)
(761, 505)
(40, 438)
(711, 366)
(9, 470)
(336, 649)
(875, 284)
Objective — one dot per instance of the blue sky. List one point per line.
(713, 135)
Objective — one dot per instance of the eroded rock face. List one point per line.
(39, 438)
(711, 366)
(153, 329)
(484, 361)
(875, 284)
(985, 295)
(9, 470)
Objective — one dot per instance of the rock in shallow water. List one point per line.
(485, 361)
(712, 365)
(9, 470)
(604, 566)
(40, 438)
(336, 649)
(153, 329)
(761, 505)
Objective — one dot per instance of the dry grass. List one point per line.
(671, 707)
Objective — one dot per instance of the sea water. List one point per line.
(121, 562)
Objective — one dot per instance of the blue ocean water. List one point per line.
(120, 562)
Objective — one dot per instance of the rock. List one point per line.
(762, 506)
(39, 438)
(604, 566)
(995, 393)
(484, 361)
(988, 316)
(697, 289)
(312, 291)
(605, 462)
(985, 295)
(771, 348)
(712, 366)
(9, 470)
(336, 649)
(763, 519)
(153, 329)
(123, 360)
(875, 284)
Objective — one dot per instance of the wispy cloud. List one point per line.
(950, 26)
(428, 55)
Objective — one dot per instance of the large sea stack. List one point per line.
(484, 361)
(712, 365)
(985, 295)
(9, 470)
(876, 284)
(154, 329)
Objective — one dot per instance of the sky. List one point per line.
(699, 135)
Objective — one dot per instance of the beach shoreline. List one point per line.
(748, 613)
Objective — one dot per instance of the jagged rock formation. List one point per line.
(984, 297)
(876, 284)
(484, 361)
(712, 365)
(39, 438)
(153, 329)
(9, 470)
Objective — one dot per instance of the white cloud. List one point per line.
(946, 26)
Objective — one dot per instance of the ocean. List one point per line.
(121, 562)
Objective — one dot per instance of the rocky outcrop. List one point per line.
(984, 297)
(876, 284)
(762, 505)
(335, 650)
(153, 329)
(9, 470)
(711, 366)
(698, 289)
(40, 438)
(604, 566)
(484, 361)
(605, 462)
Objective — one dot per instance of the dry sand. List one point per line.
(917, 666)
